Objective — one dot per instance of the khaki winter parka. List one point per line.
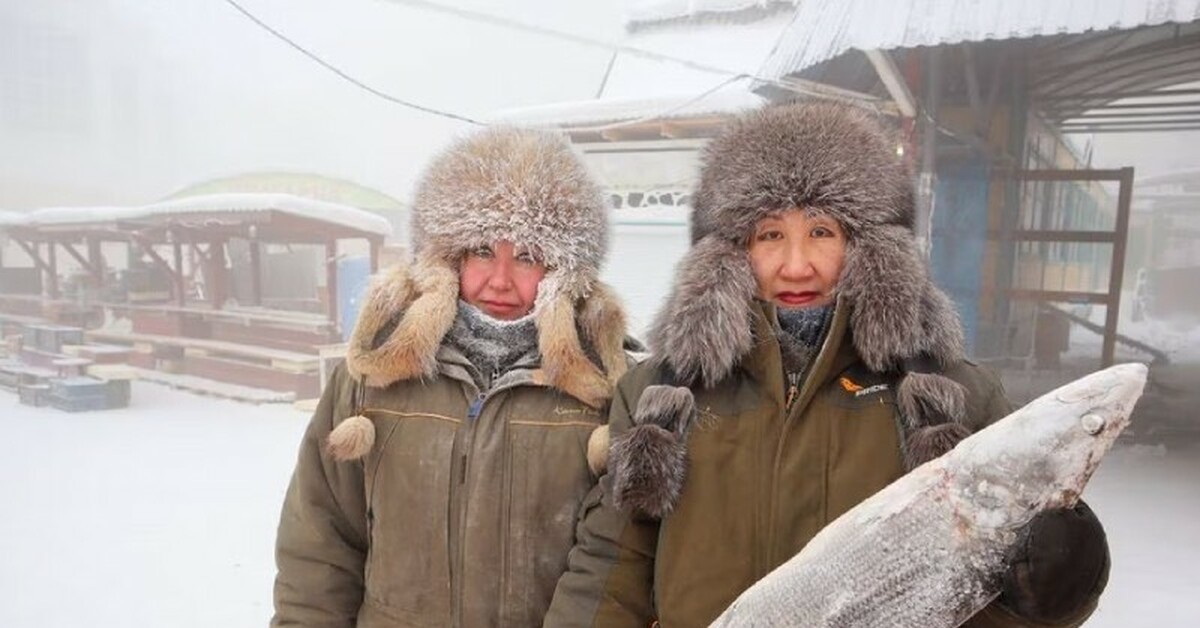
(763, 478)
(461, 515)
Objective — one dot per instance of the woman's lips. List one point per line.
(496, 306)
(797, 298)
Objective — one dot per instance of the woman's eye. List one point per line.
(484, 252)
(770, 235)
(526, 258)
(823, 232)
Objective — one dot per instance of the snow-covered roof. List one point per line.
(608, 111)
(641, 14)
(819, 31)
(344, 215)
(7, 217)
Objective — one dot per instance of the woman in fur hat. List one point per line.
(439, 480)
(803, 361)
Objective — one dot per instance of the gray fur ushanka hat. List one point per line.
(833, 160)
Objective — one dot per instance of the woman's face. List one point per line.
(500, 280)
(797, 259)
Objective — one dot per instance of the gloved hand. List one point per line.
(1059, 565)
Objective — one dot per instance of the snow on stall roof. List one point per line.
(336, 213)
(820, 31)
(732, 99)
(344, 215)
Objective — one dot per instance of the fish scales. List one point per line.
(929, 550)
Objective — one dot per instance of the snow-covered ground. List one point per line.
(164, 515)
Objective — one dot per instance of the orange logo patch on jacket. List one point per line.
(848, 385)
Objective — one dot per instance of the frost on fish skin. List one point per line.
(928, 550)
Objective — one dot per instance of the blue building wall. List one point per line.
(959, 237)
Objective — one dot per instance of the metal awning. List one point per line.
(1093, 65)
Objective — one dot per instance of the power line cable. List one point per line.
(495, 20)
(345, 76)
(476, 16)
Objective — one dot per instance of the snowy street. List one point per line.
(164, 515)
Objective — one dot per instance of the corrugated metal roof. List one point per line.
(821, 30)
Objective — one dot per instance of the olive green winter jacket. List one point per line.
(764, 475)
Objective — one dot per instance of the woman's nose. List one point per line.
(501, 277)
(797, 263)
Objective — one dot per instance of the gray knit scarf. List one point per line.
(491, 345)
(801, 333)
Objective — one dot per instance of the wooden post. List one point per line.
(216, 266)
(376, 244)
(180, 279)
(1117, 273)
(331, 267)
(255, 272)
(96, 259)
(52, 264)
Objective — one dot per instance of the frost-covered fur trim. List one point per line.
(705, 327)
(649, 460)
(520, 185)
(418, 305)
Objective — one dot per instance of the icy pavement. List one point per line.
(163, 515)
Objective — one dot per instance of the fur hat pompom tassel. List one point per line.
(929, 399)
(649, 461)
(597, 450)
(351, 439)
(927, 443)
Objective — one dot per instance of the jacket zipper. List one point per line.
(473, 412)
(793, 395)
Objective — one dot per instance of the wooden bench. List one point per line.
(288, 361)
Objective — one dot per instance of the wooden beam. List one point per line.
(1057, 235)
(1117, 272)
(1063, 175)
(1067, 296)
(148, 248)
(893, 81)
(70, 249)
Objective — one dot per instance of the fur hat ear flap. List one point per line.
(566, 365)
(649, 462)
(410, 350)
(351, 439)
(602, 321)
(934, 408)
(705, 326)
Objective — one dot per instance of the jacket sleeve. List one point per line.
(992, 404)
(610, 574)
(321, 546)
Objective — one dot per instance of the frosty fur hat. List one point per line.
(524, 186)
(832, 160)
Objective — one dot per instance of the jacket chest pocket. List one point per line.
(546, 479)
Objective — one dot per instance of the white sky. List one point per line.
(126, 101)
(121, 101)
